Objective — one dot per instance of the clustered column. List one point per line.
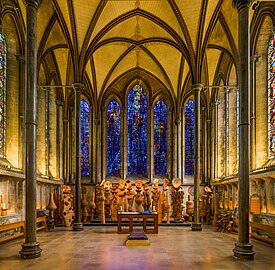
(77, 226)
(196, 225)
(243, 249)
(31, 248)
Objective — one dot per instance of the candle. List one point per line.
(3, 205)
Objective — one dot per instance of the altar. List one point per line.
(131, 216)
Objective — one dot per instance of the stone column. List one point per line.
(178, 148)
(243, 249)
(77, 226)
(70, 156)
(65, 151)
(208, 150)
(196, 225)
(122, 143)
(254, 60)
(97, 150)
(203, 146)
(59, 169)
(31, 248)
(215, 142)
(47, 127)
(150, 144)
(21, 87)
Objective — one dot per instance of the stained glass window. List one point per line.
(85, 137)
(113, 137)
(137, 131)
(271, 95)
(160, 138)
(3, 63)
(189, 137)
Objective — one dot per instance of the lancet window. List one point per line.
(113, 139)
(271, 95)
(137, 131)
(3, 64)
(85, 138)
(160, 138)
(189, 137)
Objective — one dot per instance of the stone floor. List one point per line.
(102, 248)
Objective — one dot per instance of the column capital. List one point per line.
(239, 4)
(78, 87)
(215, 103)
(33, 3)
(20, 57)
(255, 58)
(59, 102)
(177, 122)
(197, 87)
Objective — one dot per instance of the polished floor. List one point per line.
(102, 248)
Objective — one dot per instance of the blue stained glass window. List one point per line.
(85, 137)
(189, 137)
(113, 135)
(3, 64)
(160, 138)
(137, 131)
(271, 95)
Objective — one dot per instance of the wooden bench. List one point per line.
(41, 223)
(17, 229)
(263, 227)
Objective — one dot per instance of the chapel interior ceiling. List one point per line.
(175, 41)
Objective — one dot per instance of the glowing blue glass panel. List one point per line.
(189, 137)
(113, 137)
(160, 138)
(3, 65)
(85, 138)
(271, 96)
(137, 131)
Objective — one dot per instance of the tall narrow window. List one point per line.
(137, 131)
(271, 95)
(3, 64)
(85, 138)
(189, 137)
(160, 138)
(113, 137)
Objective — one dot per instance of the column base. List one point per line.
(78, 226)
(30, 250)
(243, 251)
(196, 227)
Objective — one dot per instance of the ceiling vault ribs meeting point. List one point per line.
(107, 38)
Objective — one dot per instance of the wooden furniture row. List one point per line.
(229, 223)
(18, 229)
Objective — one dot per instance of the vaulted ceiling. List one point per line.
(174, 41)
